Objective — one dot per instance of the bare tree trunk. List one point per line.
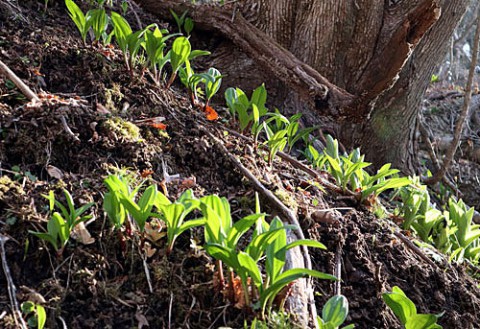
(389, 135)
(363, 47)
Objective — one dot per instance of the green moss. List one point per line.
(113, 96)
(123, 129)
(286, 198)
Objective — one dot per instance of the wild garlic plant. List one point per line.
(175, 214)
(95, 19)
(268, 240)
(348, 170)
(247, 111)
(406, 311)
(61, 224)
(334, 313)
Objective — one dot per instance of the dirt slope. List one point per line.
(103, 284)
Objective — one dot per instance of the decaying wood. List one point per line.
(302, 299)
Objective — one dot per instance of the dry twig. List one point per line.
(18, 82)
(17, 315)
(463, 115)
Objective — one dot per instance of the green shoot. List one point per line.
(81, 21)
(35, 314)
(406, 311)
(334, 313)
(179, 54)
(61, 225)
(174, 215)
(129, 42)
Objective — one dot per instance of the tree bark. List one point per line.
(389, 135)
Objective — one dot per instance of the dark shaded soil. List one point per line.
(103, 284)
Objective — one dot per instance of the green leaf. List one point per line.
(250, 266)
(335, 310)
(46, 237)
(114, 209)
(259, 98)
(161, 199)
(121, 30)
(400, 304)
(78, 18)
(216, 211)
(422, 321)
(191, 224)
(27, 307)
(99, 22)
(188, 25)
(240, 227)
(148, 198)
(306, 242)
(58, 228)
(41, 316)
(259, 243)
(197, 53)
(276, 253)
(287, 277)
(226, 255)
(181, 49)
(51, 199)
(172, 214)
(212, 84)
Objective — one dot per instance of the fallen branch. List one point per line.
(338, 268)
(67, 128)
(414, 248)
(18, 82)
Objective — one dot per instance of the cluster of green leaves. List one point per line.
(147, 46)
(253, 116)
(348, 170)
(122, 200)
(211, 80)
(95, 19)
(406, 311)
(334, 313)
(183, 21)
(35, 314)
(174, 215)
(61, 224)
(222, 235)
(247, 111)
(277, 320)
(281, 132)
(268, 241)
(451, 231)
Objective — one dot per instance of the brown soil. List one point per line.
(103, 285)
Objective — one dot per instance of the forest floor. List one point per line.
(100, 281)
